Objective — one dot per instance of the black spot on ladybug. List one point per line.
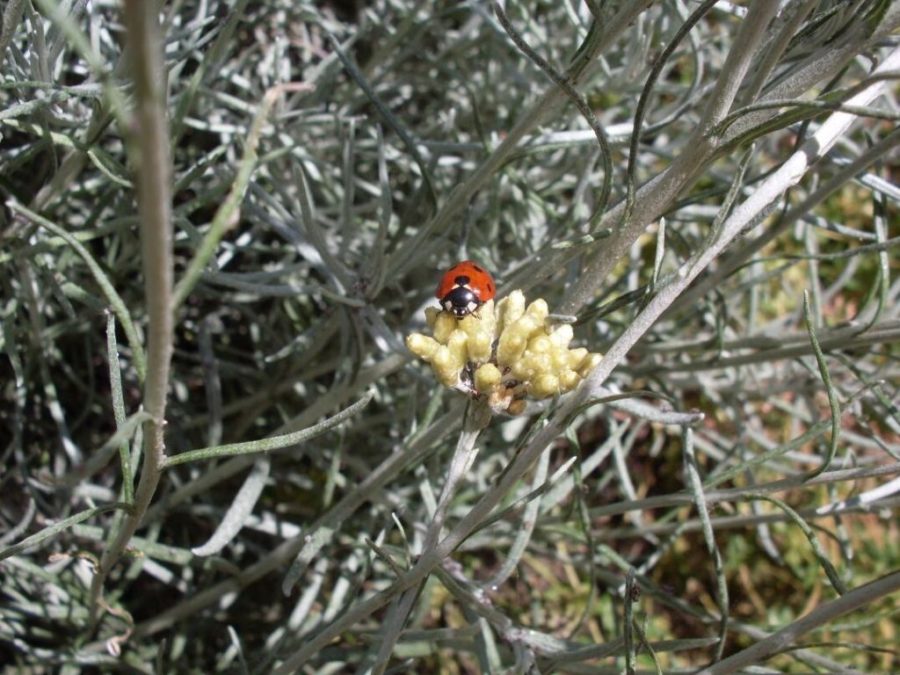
(490, 287)
(461, 280)
(477, 269)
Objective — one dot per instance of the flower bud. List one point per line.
(545, 385)
(562, 335)
(538, 309)
(576, 357)
(590, 362)
(445, 366)
(487, 377)
(503, 352)
(511, 308)
(510, 347)
(444, 325)
(568, 380)
(539, 344)
(422, 346)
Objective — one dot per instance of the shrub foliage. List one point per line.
(222, 219)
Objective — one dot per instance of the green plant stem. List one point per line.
(150, 156)
(695, 485)
(118, 403)
(787, 636)
(405, 257)
(478, 416)
(305, 546)
(106, 287)
(655, 196)
(269, 444)
(748, 250)
(833, 402)
(56, 528)
(229, 212)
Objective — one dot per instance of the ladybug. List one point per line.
(464, 288)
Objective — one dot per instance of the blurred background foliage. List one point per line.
(353, 210)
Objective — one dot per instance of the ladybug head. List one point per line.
(460, 301)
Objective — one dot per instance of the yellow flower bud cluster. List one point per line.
(506, 352)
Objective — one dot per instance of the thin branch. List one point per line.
(656, 196)
(150, 156)
(565, 85)
(821, 615)
(272, 443)
(229, 212)
(405, 257)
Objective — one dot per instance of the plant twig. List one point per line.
(788, 636)
(273, 442)
(478, 416)
(149, 150)
(228, 213)
(656, 196)
(566, 86)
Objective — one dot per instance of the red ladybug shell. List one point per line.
(464, 288)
